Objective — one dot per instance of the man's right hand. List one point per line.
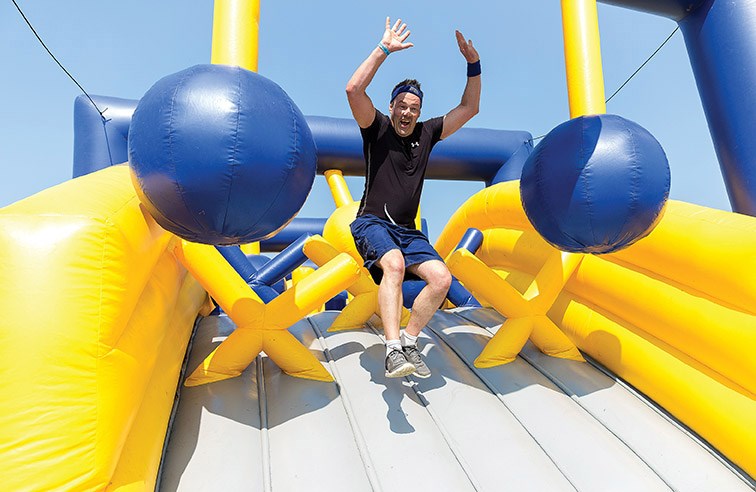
(362, 107)
(394, 37)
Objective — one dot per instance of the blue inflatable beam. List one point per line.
(674, 9)
(721, 42)
(299, 226)
(291, 233)
(338, 302)
(458, 295)
(247, 270)
(282, 264)
(471, 240)
(471, 154)
(98, 143)
(264, 276)
(237, 259)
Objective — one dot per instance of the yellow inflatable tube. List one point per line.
(722, 416)
(526, 313)
(97, 314)
(236, 24)
(674, 314)
(262, 327)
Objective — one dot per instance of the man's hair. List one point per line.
(407, 85)
(411, 82)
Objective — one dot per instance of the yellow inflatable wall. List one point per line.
(674, 314)
(97, 313)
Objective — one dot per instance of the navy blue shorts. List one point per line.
(374, 237)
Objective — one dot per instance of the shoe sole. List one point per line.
(421, 376)
(401, 371)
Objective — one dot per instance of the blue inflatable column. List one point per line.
(721, 42)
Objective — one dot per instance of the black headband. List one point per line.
(407, 88)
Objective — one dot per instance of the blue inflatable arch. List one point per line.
(471, 154)
(721, 44)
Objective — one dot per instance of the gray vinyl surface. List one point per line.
(538, 423)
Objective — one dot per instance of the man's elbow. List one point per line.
(352, 90)
(471, 111)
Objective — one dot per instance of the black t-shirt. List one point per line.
(396, 168)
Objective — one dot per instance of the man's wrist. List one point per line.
(384, 48)
(473, 69)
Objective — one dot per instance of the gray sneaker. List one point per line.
(413, 355)
(397, 365)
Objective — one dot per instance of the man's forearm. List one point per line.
(364, 74)
(471, 94)
(394, 39)
(465, 110)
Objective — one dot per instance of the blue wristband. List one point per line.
(473, 69)
(384, 49)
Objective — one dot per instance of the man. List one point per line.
(396, 149)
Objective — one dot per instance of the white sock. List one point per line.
(408, 339)
(393, 345)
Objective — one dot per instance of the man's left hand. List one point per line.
(466, 48)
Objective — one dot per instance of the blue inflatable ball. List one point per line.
(595, 184)
(220, 155)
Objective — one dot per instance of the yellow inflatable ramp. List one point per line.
(97, 314)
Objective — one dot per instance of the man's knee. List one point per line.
(438, 276)
(392, 264)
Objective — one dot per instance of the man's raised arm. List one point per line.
(393, 40)
(468, 106)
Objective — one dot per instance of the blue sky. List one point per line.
(311, 48)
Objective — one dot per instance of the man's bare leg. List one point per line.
(438, 280)
(390, 292)
(390, 306)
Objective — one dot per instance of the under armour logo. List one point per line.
(414, 144)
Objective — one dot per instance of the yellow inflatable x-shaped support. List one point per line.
(259, 326)
(526, 313)
(365, 301)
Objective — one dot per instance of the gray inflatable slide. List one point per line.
(536, 424)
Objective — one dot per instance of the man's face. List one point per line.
(404, 110)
